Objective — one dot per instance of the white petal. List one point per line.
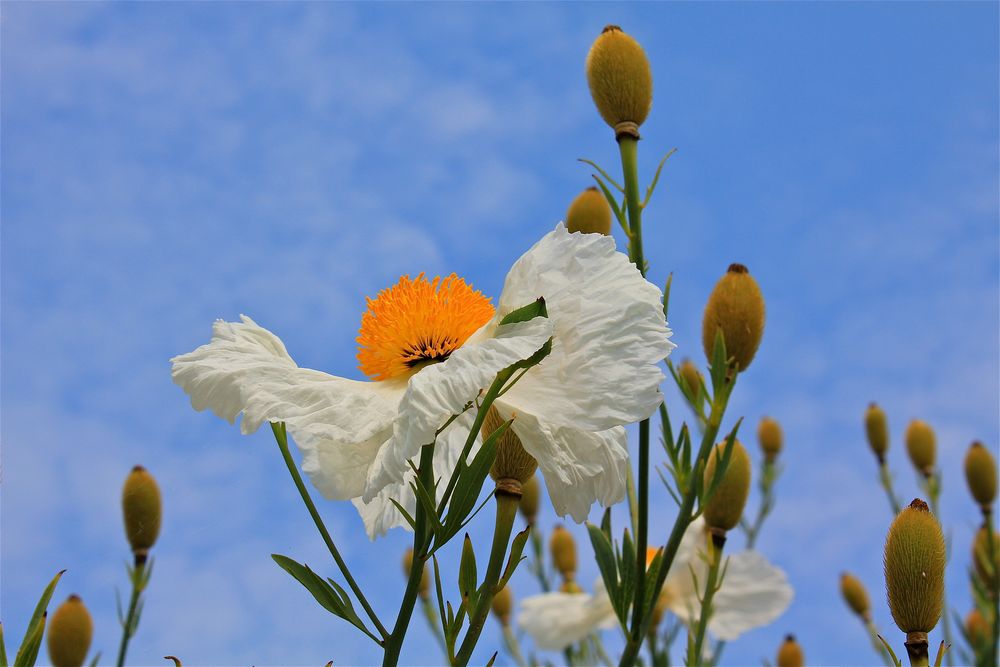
(753, 594)
(579, 466)
(338, 424)
(380, 514)
(441, 390)
(609, 339)
(556, 620)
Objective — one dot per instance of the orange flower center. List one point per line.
(416, 322)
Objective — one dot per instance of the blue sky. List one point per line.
(167, 164)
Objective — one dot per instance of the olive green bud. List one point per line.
(736, 306)
(877, 429)
(502, 603)
(425, 578)
(530, 499)
(981, 475)
(620, 81)
(914, 569)
(725, 507)
(790, 653)
(770, 437)
(563, 550)
(512, 466)
(70, 631)
(977, 629)
(855, 595)
(589, 213)
(981, 557)
(570, 587)
(691, 376)
(921, 445)
(142, 511)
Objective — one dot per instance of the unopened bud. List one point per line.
(790, 653)
(977, 629)
(725, 507)
(142, 511)
(736, 306)
(425, 578)
(981, 557)
(877, 430)
(914, 568)
(503, 601)
(563, 550)
(855, 595)
(589, 213)
(620, 81)
(921, 445)
(70, 630)
(770, 437)
(512, 466)
(530, 499)
(981, 475)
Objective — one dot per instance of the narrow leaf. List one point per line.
(516, 549)
(40, 608)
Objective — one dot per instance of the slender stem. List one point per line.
(768, 476)
(633, 509)
(886, 479)
(421, 540)
(642, 537)
(539, 561)
(695, 656)
(282, 438)
(601, 653)
(431, 614)
(628, 148)
(876, 642)
(513, 648)
(918, 653)
(127, 629)
(506, 511)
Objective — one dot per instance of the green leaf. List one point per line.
(626, 566)
(516, 549)
(606, 563)
(526, 313)
(28, 652)
(467, 575)
(603, 173)
(3, 649)
(493, 659)
(721, 465)
(406, 515)
(719, 365)
(606, 523)
(440, 594)
(666, 294)
(96, 660)
(33, 623)
(652, 574)
(617, 209)
(656, 177)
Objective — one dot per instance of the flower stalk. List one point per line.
(695, 646)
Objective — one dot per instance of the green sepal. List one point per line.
(467, 575)
(327, 593)
(515, 558)
(26, 649)
(605, 556)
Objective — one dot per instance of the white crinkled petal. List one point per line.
(579, 466)
(753, 594)
(380, 514)
(556, 620)
(609, 333)
(338, 424)
(441, 390)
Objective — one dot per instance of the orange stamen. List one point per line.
(418, 321)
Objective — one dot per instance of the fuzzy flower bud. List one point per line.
(981, 557)
(142, 511)
(589, 213)
(503, 601)
(977, 629)
(725, 507)
(563, 550)
(921, 445)
(736, 306)
(855, 595)
(530, 499)
(513, 466)
(790, 653)
(981, 474)
(620, 80)
(70, 630)
(425, 579)
(770, 437)
(914, 569)
(877, 430)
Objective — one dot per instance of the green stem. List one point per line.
(919, 656)
(695, 654)
(601, 653)
(421, 540)
(513, 648)
(506, 512)
(633, 509)
(876, 642)
(281, 437)
(431, 614)
(127, 629)
(539, 564)
(768, 475)
(628, 147)
(642, 536)
(886, 479)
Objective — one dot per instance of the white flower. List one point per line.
(431, 348)
(754, 592)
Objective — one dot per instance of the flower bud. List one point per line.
(142, 511)
(877, 429)
(981, 474)
(736, 306)
(691, 376)
(790, 653)
(855, 595)
(977, 629)
(563, 550)
(770, 437)
(425, 578)
(914, 568)
(530, 499)
(70, 631)
(620, 81)
(981, 557)
(512, 466)
(570, 587)
(725, 507)
(589, 213)
(502, 603)
(921, 445)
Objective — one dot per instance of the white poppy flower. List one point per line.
(431, 347)
(754, 593)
